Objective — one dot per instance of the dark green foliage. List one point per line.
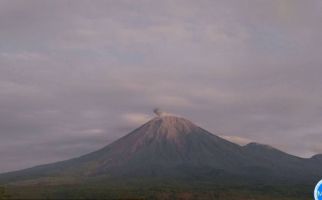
(3, 194)
(163, 190)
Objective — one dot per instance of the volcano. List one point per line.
(173, 147)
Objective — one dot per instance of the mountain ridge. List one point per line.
(170, 146)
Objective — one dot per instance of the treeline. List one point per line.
(162, 191)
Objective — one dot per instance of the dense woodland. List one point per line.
(109, 191)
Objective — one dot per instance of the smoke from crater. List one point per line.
(160, 113)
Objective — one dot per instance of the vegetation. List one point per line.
(3, 194)
(162, 191)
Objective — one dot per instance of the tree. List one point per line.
(3, 194)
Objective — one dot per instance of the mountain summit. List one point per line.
(173, 147)
(168, 126)
(166, 144)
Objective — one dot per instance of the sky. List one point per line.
(77, 75)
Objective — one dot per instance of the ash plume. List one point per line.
(160, 113)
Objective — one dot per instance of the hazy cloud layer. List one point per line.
(76, 75)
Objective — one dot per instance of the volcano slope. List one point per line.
(170, 149)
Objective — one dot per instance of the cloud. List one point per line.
(24, 56)
(75, 77)
(236, 139)
(136, 118)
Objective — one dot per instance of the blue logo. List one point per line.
(318, 191)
